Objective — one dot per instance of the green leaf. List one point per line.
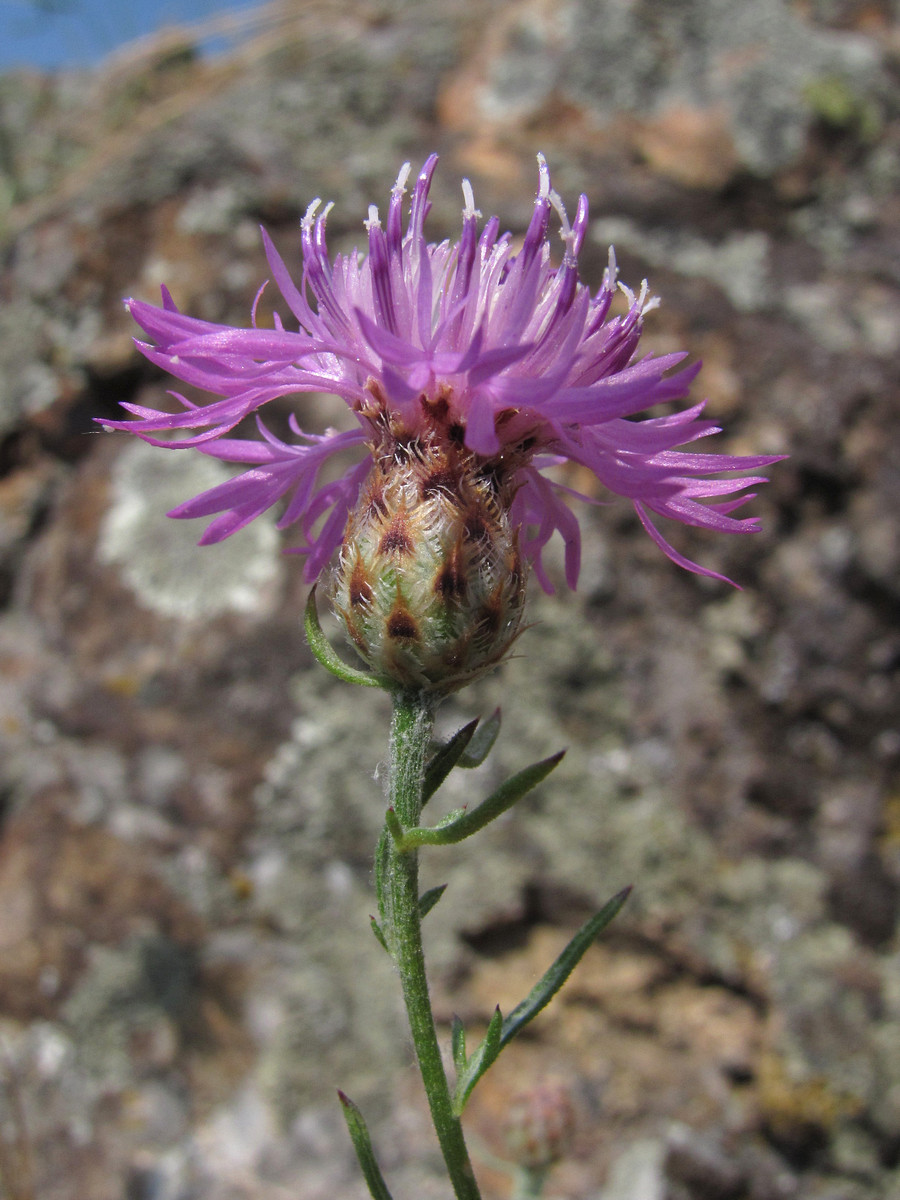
(445, 759)
(429, 899)
(394, 826)
(379, 933)
(458, 1039)
(451, 818)
(362, 1143)
(460, 826)
(482, 743)
(547, 987)
(500, 1032)
(483, 1057)
(326, 654)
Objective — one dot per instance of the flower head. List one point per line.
(540, 1125)
(486, 355)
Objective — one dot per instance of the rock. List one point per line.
(185, 855)
(637, 1174)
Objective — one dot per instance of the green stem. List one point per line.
(529, 1185)
(411, 727)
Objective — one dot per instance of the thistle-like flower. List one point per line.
(470, 368)
(540, 1125)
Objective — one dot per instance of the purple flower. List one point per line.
(503, 353)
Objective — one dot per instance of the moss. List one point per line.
(835, 103)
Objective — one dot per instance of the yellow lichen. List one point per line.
(792, 1105)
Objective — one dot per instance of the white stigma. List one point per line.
(374, 221)
(400, 186)
(544, 185)
(309, 216)
(470, 212)
(645, 300)
(565, 231)
(611, 274)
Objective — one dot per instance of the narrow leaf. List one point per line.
(458, 1037)
(463, 825)
(445, 759)
(362, 1143)
(379, 933)
(482, 743)
(394, 826)
(429, 899)
(325, 652)
(547, 987)
(482, 1058)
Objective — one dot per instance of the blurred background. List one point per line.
(189, 805)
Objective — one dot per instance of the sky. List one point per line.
(69, 33)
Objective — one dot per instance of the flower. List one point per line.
(474, 345)
(429, 583)
(539, 1125)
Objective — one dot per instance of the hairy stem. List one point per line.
(411, 728)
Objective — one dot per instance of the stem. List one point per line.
(411, 728)
(529, 1185)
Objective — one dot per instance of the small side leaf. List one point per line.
(445, 758)
(482, 743)
(429, 899)
(325, 652)
(462, 825)
(547, 987)
(481, 1059)
(379, 933)
(458, 1037)
(394, 826)
(362, 1143)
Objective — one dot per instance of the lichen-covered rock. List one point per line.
(190, 806)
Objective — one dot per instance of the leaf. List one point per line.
(463, 825)
(394, 826)
(501, 1031)
(429, 899)
(362, 1143)
(458, 1040)
(379, 933)
(482, 743)
(325, 652)
(482, 1058)
(553, 979)
(445, 759)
